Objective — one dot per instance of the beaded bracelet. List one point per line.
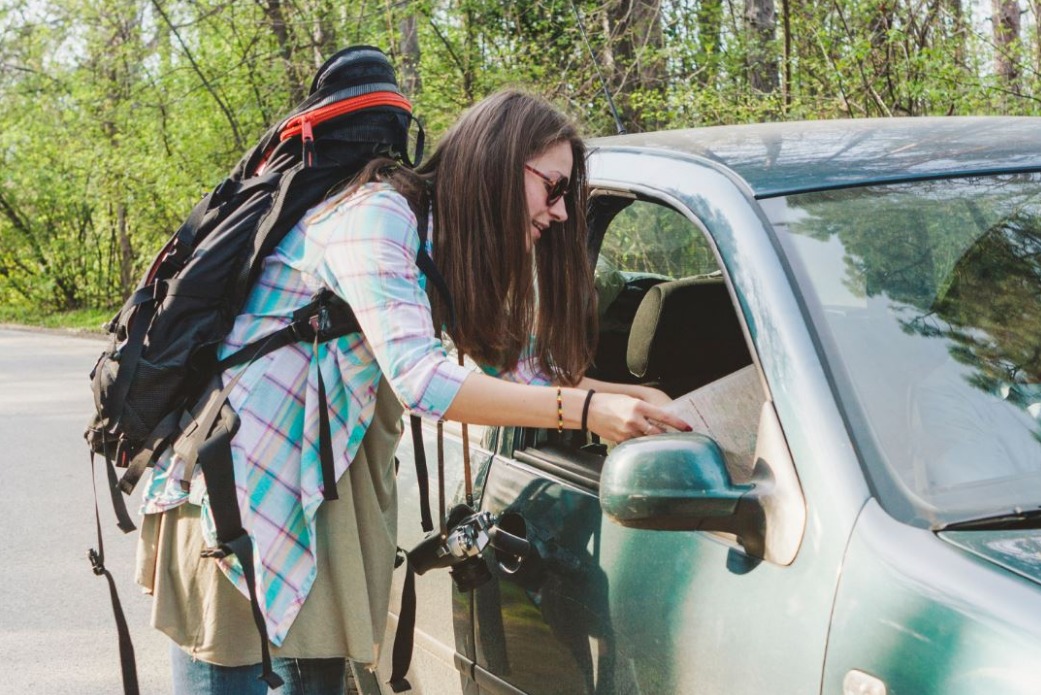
(560, 411)
(585, 409)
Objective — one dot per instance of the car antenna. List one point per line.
(607, 93)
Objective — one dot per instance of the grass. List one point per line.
(80, 319)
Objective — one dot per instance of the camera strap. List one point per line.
(441, 477)
(403, 638)
(401, 658)
(467, 474)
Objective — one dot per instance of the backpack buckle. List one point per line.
(307, 139)
(321, 322)
(97, 563)
(222, 190)
(217, 552)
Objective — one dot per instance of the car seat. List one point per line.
(686, 334)
(620, 295)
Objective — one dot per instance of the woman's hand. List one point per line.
(619, 417)
(644, 393)
(651, 395)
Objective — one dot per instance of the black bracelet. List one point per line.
(585, 408)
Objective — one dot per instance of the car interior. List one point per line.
(680, 334)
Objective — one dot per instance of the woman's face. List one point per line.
(543, 175)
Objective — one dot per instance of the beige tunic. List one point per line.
(345, 613)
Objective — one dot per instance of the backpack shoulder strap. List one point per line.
(232, 538)
(426, 263)
(427, 266)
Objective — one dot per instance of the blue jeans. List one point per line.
(302, 676)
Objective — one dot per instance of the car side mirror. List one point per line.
(680, 482)
(676, 482)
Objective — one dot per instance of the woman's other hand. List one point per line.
(650, 395)
(620, 417)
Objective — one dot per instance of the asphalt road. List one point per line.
(57, 633)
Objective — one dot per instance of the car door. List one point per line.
(443, 639)
(599, 608)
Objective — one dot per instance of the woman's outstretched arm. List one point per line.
(486, 400)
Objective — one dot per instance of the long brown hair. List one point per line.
(475, 181)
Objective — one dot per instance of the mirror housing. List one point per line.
(680, 482)
(669, 482)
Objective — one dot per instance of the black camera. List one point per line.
(462, 545)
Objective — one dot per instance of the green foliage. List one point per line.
(649, 238)
(117, 115)
(961, 259)
(85, 320)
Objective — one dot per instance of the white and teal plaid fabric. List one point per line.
(363, 248)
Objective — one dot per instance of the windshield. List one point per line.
(927, 300)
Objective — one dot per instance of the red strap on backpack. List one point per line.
(296, 125)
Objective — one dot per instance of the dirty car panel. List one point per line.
(826, 301)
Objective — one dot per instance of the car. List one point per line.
(849, 313)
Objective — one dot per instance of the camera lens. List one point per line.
(470, 573)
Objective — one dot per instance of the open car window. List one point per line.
(652, 239)
(666, 320)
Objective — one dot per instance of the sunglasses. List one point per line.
(555, 188)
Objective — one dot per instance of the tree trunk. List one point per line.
(786, 55)
(761, 26)
(710, 26)
(411, 84)
(959, 31)
(277, 21)
(647, 45)
(883, 60)
(635, 58)
(323, 31)
(610, 65)
(126, 251)
(1035, 7)
(634, 27)
(469, 48)
(118, 79)
(1006, 42)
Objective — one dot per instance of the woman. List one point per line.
(507, 188)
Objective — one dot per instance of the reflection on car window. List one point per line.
(930, 295)
(650, 238)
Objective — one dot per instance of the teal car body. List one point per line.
(858, 511)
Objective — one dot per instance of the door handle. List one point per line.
(509, 539)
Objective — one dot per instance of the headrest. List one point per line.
(686, 334)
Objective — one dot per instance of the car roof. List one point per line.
(800, 156)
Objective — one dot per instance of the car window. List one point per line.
(650, 238)
(926, 296)
(666, 320)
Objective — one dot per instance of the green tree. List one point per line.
(117, 115)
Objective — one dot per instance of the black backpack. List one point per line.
(160, 375)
